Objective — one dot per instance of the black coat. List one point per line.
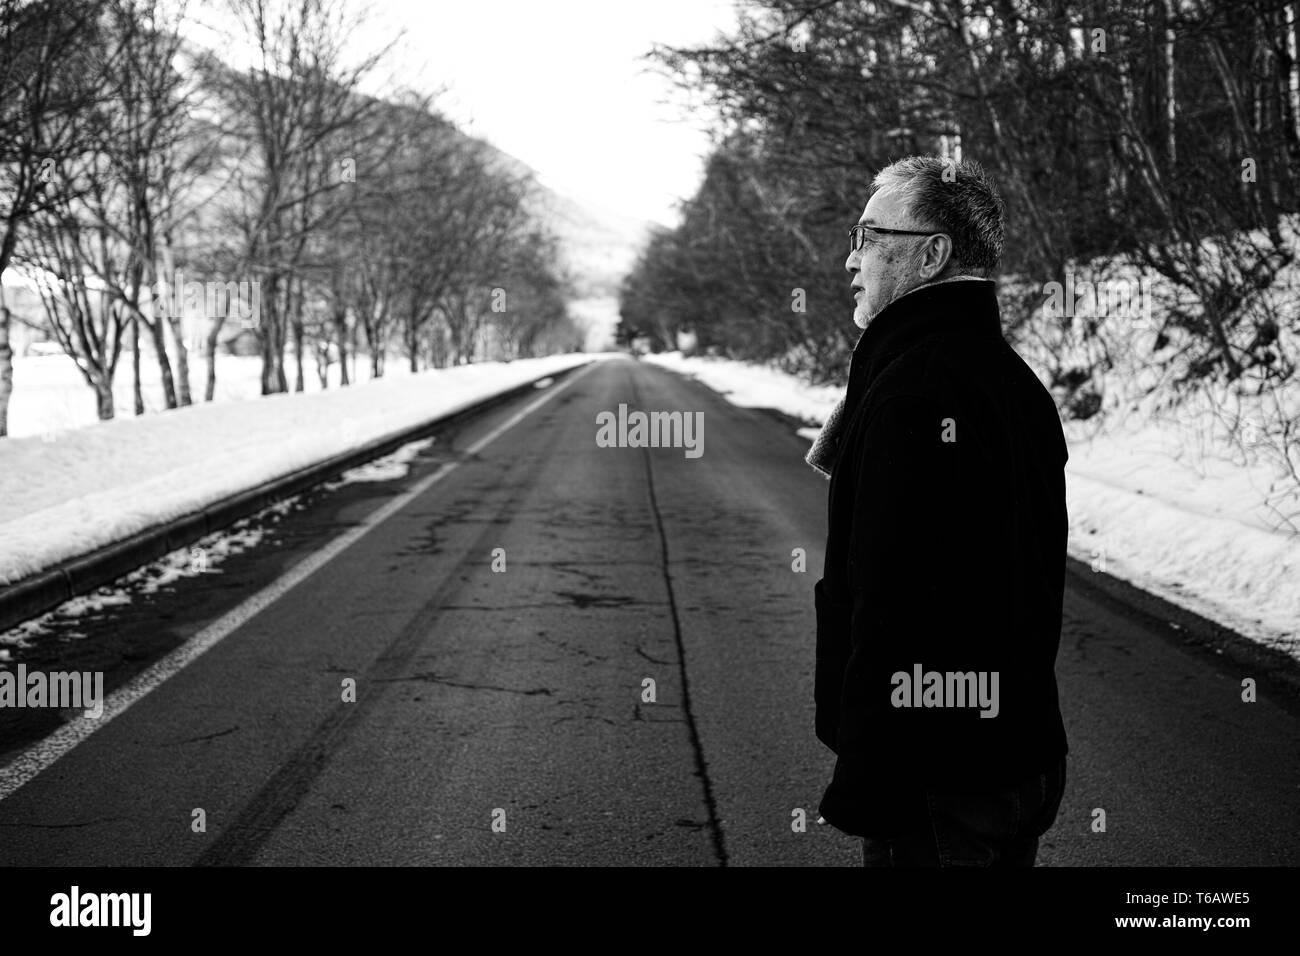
(947, 554)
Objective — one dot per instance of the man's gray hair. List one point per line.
(956, 198)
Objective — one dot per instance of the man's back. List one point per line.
(945, 557)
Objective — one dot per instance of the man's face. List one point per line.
(885, 267)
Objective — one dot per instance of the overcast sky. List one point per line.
(558, 84)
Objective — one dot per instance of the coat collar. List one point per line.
(965, 305)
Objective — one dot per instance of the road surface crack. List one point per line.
(62, 826)
(652, 660)
(701, 765)
(212, 736)
(431, 678)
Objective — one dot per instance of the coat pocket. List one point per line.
(834, 644)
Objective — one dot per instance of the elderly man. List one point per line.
(939, 609)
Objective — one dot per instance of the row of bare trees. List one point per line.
(1164, 134)
(435, 243)
(156, 193)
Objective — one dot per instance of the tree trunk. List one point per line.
(271, 336)
(341, 334)
(1171, 92)
(210, 389)
(176, 320)
(1293, 75)
(323, 365)
(182, 362)
(264, 340)
(1288, 60)
(273, 377)
(6, 371)
(137, 394)
(298, 384)
(104, 400)
(343, 362)
(164, 363)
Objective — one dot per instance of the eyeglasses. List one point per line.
(858, 234)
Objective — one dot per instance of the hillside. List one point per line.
(600, 247)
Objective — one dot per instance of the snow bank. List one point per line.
(1191, 529)
(63, 494)
(51, 395)
(756, 386)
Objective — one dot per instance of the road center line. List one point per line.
(40, 756)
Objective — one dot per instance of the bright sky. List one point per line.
(559, 85)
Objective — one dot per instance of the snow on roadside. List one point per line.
(65, 494)
(203, 557)
(388, 468)
(756, 386)
(1190, 531)
(51, 396)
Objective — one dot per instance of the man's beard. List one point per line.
(862, 317)
(901, 287)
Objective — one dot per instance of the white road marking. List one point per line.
(39, 757)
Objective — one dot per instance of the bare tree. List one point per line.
(44, 92)
(302, 92)
(67, 247)
(155, 153)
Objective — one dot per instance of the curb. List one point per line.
(47, 589)
(1277, 673)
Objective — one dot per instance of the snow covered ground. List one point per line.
(51, 395)
(65, 492)
(1188, 527)
(203, 557)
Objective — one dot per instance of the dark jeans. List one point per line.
(1000, 828)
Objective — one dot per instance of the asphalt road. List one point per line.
(484, 696)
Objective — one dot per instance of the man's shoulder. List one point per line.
(938, 363)
(938, 366)
(978, 377)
